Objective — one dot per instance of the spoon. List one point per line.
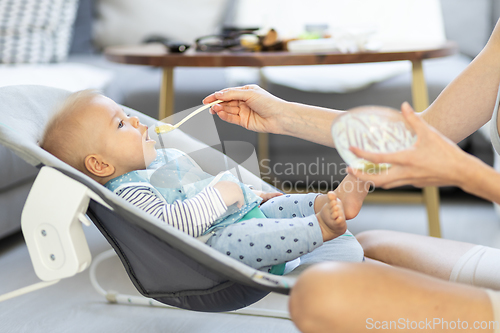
(165, 128)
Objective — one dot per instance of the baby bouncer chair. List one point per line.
(165, 265)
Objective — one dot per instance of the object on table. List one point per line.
(172, 46)
(240, 40)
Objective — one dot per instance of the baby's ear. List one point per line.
(97, 166)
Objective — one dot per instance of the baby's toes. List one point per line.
(338, 210)
(334, 209)
(332, 196)
(340, 206)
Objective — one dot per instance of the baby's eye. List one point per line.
(120, 124)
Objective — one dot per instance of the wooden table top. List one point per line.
(157, 55)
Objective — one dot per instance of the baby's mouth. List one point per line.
(146, 135)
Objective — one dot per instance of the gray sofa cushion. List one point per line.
(11, 203)
(14, 170)
(496, 11)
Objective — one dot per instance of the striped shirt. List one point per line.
(193, 216)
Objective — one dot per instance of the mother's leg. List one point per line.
(446, 259)
(358, 297)
(429, 255)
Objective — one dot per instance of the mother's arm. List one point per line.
(467, 103)
(256, 109)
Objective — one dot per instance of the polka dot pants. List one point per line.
(289, 231)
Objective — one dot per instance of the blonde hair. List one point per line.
(65, 136)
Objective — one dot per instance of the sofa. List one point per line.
(468, 22)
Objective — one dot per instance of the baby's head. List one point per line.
(94, 135)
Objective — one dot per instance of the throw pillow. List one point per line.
(132, 21)
(35, 31)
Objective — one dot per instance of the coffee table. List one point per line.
(156, 55)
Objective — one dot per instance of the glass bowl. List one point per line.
(375, 130)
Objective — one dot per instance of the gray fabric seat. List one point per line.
(162, 262)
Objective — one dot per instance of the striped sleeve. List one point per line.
(193, 216)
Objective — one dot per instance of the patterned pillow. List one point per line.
(35, 31)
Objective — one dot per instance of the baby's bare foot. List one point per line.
(331, 218)
(352, 192)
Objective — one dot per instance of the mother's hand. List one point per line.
(250, 107)
(434, 160)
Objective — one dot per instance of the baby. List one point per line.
(264, 230)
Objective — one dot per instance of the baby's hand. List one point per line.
(266, 195)
(231, 193)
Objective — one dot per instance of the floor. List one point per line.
(73, 304)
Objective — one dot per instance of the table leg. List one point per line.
(166, 93)
(420, 103)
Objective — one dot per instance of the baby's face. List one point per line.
(120, 139)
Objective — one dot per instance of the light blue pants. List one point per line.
(290, 230)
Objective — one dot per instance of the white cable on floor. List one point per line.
(97, 260)
(27, 289)
(115, 297)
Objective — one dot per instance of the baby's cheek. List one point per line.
(149, 155)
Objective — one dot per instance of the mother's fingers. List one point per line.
(229, 107)
(396, 176)
(237, 93)
(224, 94)
(388, 178)
(416, 122)
(397, 157)
(417, 182)
(230, 118)
(378, 178)
(209, 99)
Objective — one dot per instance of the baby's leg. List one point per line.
(266, 242)
(291, 205)
(330, 215)
(271, 241)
